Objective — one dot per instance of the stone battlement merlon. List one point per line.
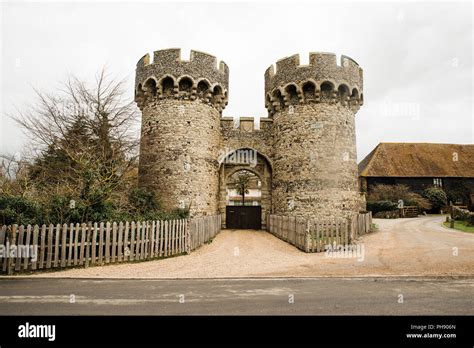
(342, 82)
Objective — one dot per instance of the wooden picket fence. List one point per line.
(322, 233)
(311, 235)
(203, 230)
(61, 246)
(360, 225)
(291, 229)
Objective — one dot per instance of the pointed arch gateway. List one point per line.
(253, 214)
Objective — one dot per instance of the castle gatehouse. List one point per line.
(303, 154)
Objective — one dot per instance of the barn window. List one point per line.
(437, 182)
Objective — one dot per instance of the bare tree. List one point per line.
(14, 178)
(85, 139)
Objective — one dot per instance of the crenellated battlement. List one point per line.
(171, 58)
(322, 80)
(169, 76)
(246, 124)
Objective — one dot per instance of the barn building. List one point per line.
(421, 165)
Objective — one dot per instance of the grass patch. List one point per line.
(461, 226)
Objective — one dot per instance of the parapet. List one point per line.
(322, 80)
(169, 76)
(246, 124)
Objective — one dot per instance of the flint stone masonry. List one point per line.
(199, 65)
(322, 67)
(322, 81)
(314, 166)
(179, 148)
(246, 136)
(306, 147)
(168, 76)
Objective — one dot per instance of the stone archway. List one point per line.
(254, 162)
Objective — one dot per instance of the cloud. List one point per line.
(410, 52)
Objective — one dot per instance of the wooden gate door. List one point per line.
(244, 217)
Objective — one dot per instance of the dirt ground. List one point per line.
(417, 246)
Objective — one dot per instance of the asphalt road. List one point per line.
(315, 296)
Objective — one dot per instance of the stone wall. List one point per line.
(180, 143)
(246, 135)
(315, 167)
(169, 61)
(323, 80)
(314, 145)
(322, 67)
(181, 102)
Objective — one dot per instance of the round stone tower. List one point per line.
(181, 103)
(313, 108)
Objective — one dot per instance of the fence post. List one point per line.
(307, 236)
(88, 246)
(350, 228)
(120, 242)
(187, 240)
(42, 247)
(348, 231)
(12, 238)
(370, 220)
(151, 238)
(295, 229)
(113, 254)
(3, 240)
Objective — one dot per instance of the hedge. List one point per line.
(378, 206)
(463, 214)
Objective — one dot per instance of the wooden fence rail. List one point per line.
(30, 248)
(311, 235)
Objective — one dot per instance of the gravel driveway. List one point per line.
(417, 246)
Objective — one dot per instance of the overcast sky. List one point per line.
(417, 57)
